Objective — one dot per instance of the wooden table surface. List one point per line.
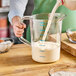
(67, 45)
(18, 62)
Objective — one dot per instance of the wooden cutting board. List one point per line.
(67, 45)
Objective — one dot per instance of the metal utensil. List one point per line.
(6, 44)
(68, 33)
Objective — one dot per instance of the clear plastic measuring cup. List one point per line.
(48, 50)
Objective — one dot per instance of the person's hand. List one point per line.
(18, 27)
(71, 4)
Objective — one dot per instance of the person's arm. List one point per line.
(17, 8)
(71, 4)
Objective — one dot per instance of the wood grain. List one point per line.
(18, 62)
(67, 45)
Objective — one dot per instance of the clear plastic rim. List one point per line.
(47, 14)
(7, 39)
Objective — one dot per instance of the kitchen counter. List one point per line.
(18, 62)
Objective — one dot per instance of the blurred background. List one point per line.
(6, 29)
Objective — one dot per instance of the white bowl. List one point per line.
(6, 45)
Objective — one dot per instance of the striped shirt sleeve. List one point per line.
(17, 8)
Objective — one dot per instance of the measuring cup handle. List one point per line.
(21, 38)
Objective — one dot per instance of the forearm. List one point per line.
(17, 8)
(71, 4)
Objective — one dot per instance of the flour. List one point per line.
(45, 51)
(4, 46)
(62, 73)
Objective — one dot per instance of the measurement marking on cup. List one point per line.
(42, 50)
(42, 30)
(42, 45)
(42, 40)
(42, 56)
(42, 22)
(42, 25)
(41, 34)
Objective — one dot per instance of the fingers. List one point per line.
(24, 25)
(20, 25)
(18, 35)
(19, 29)
(18, 32)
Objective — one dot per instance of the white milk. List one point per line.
(45, 52)
(51, 18)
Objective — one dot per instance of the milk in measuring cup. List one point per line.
(45, 52)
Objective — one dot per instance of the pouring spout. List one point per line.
(61, 18)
